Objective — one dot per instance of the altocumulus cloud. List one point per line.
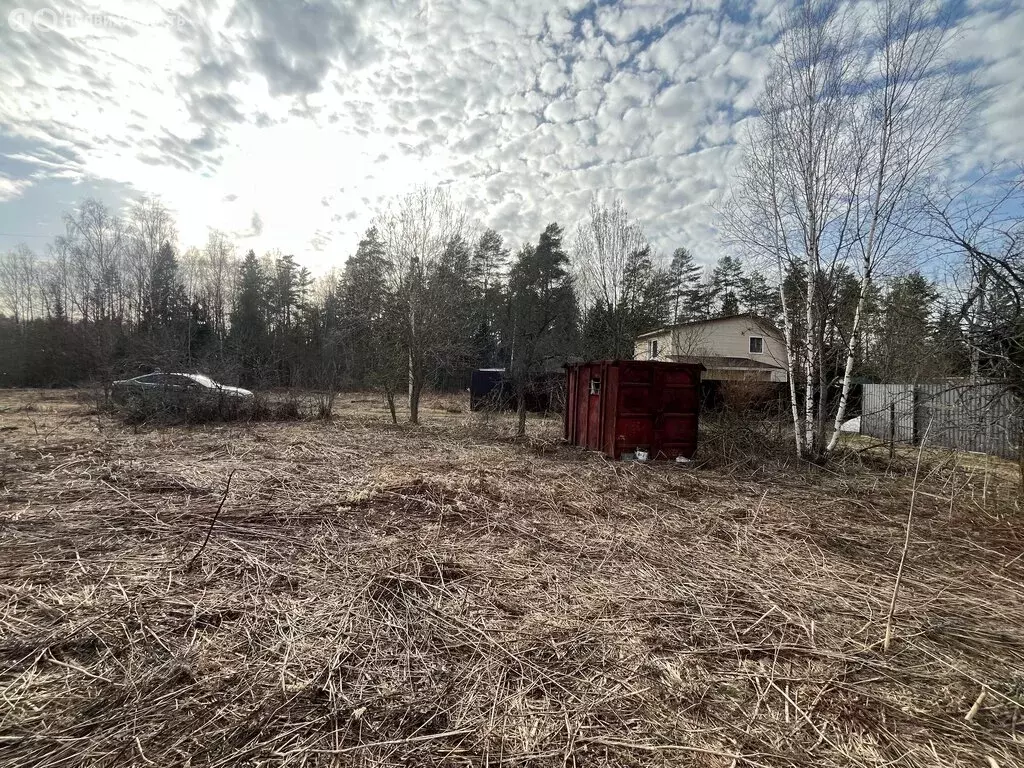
(315, 112)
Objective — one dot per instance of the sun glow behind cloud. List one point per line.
(304, 118)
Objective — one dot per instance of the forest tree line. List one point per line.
(424, 299)
(842, 195)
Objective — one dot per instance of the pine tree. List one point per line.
(165, 306)
(759, 297)
(727, 285)
(649, 292)
(685, 287)
(953, 352)
(490, 264)
(284, 293)
(542, 307)
(645, 303)
(164, 324)
(201, 338)
(904, 349)
(450, 302)
(490, 261)
(362, 299)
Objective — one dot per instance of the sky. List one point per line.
(289, 123)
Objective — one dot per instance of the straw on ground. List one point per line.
(444, 595)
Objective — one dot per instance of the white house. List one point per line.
(736, 348)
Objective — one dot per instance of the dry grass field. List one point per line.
(372, 595)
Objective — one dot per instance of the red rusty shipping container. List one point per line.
(617, 406)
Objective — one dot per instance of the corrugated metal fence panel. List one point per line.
(874, 419)
(969, 417)
(982, 418)
(888, 411)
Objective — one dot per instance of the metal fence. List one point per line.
(966, 416)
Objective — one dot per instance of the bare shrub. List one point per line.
(731, 438)
(323, 403)
(286, 409)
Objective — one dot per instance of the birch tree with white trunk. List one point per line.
(915, 106)
(790, 206)
(858, 110)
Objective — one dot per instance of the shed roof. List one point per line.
(715, 361)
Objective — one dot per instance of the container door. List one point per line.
(636, 408)
(677, 403)
(581, 414)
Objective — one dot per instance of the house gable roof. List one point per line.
(765, 325)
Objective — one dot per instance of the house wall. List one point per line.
(722, 338)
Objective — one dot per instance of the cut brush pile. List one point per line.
(371, 595)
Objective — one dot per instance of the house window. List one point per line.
(652, 348)
(757, 345)
(595, 386)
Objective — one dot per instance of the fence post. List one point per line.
(915, 416)
(892, 429)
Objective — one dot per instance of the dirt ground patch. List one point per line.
(443, 595)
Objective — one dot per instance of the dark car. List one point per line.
(175, 389)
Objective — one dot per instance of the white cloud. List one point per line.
(559, 111)
(994, 37)
(628, 19)
(313, 114)
(12, 188)
(552, 77)
(588, 72)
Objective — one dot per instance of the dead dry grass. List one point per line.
(443, 595)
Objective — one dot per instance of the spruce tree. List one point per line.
(249, 327)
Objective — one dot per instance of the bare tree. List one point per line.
(220, 272)
(856, 113)
(19, 284)
(542, 308)
(95, 244)
(604, 243)
(622, 288)
(983, 224)
(150, 225)
(688, 342)
(95, 241)
(56, 290)
(416, 231)
(790, 203)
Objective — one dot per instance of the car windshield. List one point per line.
(206, 381)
